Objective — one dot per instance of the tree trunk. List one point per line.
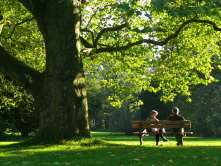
(62, 100)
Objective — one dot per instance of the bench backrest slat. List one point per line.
(161, 124)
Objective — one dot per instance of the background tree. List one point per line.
(204, 110)
(16, 109)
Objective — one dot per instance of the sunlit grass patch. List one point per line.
(110, 149)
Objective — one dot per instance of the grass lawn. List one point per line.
(115, 149)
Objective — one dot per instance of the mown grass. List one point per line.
(112, 149)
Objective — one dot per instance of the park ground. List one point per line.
(111, 149)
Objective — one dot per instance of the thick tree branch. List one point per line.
(92, 37)
(99, 35)
(109, 29)
(208, 22)
(18, 72)
(86, 43)
(158, 42)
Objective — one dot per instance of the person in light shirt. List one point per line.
(156, 131)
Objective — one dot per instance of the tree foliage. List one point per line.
(16, 109)
(204, 110)
(159, 46)
(20, 35)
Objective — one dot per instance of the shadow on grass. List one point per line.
(93, 152)
(149, 138)
(112, 154)
(36, 141)
(97, 138)
(10, 137)
(35, 144)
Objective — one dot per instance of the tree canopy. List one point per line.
(158, 46)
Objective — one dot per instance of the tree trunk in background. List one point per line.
(62, 100)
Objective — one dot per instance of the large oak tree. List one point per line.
(59, 91)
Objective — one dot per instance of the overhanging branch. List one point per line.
(86, 43)
(18, 72)
(99, 35)
(109, 29)
(208, 22)
(158, 42)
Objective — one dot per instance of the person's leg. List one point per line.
(141, 138)
(182, 133)
(177, 140)
(157, 138)
(162, 136)
(181, 140)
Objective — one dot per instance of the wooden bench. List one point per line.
(139, 127)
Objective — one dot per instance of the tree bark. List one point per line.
(62, 98)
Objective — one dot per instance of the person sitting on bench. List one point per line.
(179, 132)
(156, 131)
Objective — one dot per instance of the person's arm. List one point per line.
(155, 119)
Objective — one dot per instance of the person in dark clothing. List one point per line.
(179, 132)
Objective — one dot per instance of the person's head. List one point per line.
(175, 110)
(154, 113)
